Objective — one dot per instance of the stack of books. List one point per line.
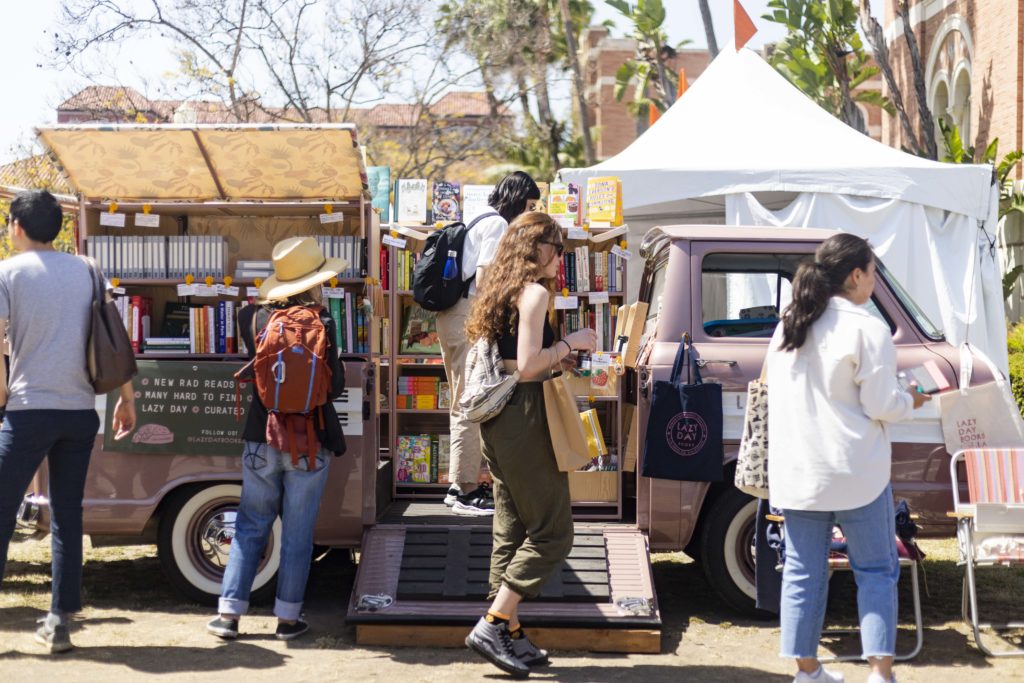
(212, 329)
(166, 346)
(419, 392)
(137, 314)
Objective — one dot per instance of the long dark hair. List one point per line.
(510, 195)
(818, 281)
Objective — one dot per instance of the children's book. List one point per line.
(411, 201)
(604, 201)
(419, 331)
(564, 204)
(447, 202)
(380, 190)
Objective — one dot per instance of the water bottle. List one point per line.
(451, 266)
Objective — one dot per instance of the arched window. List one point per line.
(948, 74)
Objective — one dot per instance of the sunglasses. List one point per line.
(559, 247)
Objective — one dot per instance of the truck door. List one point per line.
(737, 291)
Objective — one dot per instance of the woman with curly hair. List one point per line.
(532, 529)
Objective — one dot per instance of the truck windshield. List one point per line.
(909, 305)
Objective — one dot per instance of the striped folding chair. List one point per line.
(990, 526)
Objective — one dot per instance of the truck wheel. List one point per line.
(727, 550)
(196, 530)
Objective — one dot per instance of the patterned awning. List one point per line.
(241, 162)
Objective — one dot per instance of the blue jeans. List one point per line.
(271, 486)
(67, 437)
(870, 533)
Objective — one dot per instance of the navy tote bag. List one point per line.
(684, 430)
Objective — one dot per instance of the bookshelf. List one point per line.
(593, 281)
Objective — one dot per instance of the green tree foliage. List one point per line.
(654, 83)
(65, 240)
(519, 47)
(823, 55)
(1015, 346)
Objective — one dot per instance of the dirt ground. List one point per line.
(134, 628)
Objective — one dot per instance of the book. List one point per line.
(564, 204)
(444, 396)
(419, 331)
(447, 202)
(444, 455)
(420, 459)
(545, 191)
(604, 201)
(434, 448)
(403, 459)
(411, 201)
(380, 190)
(474, 201)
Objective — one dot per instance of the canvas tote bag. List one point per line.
(980, 416)
(109, 356)
(684, 430)
(752, 460)
(565, 425)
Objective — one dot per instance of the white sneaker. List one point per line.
(453, 495)
(822, 675)
(877, 678)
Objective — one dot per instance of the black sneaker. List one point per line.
(223, 628)
(491, 640)
(479, 502)
(453, 495)
(292, 630)
(528, 653)
(55, 638)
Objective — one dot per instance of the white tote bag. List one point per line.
(980, 416)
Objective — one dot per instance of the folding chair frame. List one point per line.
(969, 602)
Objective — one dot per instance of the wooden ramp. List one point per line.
(427, 584)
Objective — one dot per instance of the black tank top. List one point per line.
(508, 346)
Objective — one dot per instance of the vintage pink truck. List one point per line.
(700, 280)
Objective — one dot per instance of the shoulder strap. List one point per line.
(480, 218)
(98, 287)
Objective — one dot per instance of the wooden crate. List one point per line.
(594, 487)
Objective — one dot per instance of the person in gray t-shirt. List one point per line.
(46, 306)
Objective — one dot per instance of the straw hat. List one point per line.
(299, 265)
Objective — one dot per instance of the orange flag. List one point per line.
(652, 114)
(682, 83)
(744, 26)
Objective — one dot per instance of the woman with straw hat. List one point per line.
(276, 483)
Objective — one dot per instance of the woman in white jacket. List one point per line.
(832, 374)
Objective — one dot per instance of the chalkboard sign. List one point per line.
(183, 407)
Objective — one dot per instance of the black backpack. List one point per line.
(429, 287)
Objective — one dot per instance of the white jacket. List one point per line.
(828, 405)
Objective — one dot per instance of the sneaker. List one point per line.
(479, 502)
(528, 653)
(877, 678)
(291, 631)
(822, 675)
(453, 495)
(223, 628)
(55, 638)
(491, 640)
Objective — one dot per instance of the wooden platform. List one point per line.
(435, 578)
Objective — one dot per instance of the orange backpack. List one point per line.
(293, 378)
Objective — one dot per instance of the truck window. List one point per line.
(655, 291)
(742, 294)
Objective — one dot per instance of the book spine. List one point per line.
(222, 331)
(335, 306)
(434, 452)
(229, 328)
(211, 329)
(192, 327)
(350, 327)
(136, 323)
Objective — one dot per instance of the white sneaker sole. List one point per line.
(461, 509)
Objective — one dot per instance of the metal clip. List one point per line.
(373, 603)
(637, 607)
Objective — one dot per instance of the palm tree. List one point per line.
(709, 28)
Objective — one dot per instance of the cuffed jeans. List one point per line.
(464, 465)
(870, 533)
(67, 437)
(271, 486)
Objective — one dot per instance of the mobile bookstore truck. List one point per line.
(175, 481)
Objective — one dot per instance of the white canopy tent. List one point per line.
(745, 147)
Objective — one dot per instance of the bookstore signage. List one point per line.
(183, 408)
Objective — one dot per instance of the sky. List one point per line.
(34, 90)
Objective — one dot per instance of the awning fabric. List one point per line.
(242, 162)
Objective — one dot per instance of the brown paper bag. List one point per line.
(565, 425)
